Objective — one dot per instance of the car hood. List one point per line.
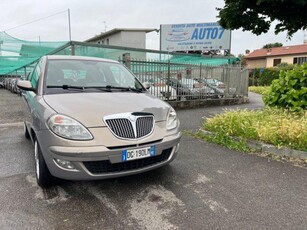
(90, 108)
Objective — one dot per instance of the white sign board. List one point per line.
(194, 36)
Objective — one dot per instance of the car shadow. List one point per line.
(127, 184)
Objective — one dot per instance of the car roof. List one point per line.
(83, 58)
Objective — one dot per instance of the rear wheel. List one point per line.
(43, 177)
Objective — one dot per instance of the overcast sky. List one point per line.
(88, 17)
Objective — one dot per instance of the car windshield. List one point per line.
(212, 81)
(189, 83)
(77, 75)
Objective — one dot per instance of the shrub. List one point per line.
(265, 77)
(290, 90)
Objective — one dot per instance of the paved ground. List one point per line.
(207, 187)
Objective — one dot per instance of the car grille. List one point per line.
(123, 127)
(99, 167)
(144, 126)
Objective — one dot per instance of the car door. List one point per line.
(31, 99)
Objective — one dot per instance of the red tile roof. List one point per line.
(278, 51)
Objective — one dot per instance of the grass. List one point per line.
(263, 90)
(224, 140)
(273, 126)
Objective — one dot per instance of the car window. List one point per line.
(120, 76)
(88, 74)
(34, 77)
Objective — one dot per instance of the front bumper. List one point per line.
(89, 161)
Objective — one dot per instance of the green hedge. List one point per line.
(265, 77)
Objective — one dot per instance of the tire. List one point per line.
(26, 132)
(43, 177)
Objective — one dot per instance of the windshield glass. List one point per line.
(87, 75)
(187, 83)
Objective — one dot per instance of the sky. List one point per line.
(89, 18)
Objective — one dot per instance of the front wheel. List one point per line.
(26, 132)
(43, 177)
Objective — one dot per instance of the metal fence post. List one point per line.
(127, 60)
(168, 78)
(72, 51)
(227, 81)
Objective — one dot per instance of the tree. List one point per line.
(272, 45)
(257, 15)
(242, 59)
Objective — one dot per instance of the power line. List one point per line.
(40, 19)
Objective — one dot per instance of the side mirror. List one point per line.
(25, 85)
(146, 85)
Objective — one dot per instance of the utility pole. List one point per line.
(1, 42)
(40, 47)
(69, 26)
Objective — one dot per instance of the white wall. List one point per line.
(287, 59)
(134, 39)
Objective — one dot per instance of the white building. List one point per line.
(131, 37)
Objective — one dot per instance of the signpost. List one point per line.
(194, 37)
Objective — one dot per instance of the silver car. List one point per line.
(90, 118)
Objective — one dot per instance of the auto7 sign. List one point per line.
(194, 36)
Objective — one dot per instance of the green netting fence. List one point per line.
(16, 54)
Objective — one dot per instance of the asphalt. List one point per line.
(206, 187)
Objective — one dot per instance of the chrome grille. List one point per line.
(121, 127)
(138, 127)
(144, 126)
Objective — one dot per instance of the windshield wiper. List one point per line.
(124, 88)
(79, 87)
(65, 87)
(104, 88)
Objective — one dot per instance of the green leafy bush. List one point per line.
(265, 77)
(290, 90)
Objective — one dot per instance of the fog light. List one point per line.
(65, 164)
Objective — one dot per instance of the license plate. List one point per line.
(134, 154)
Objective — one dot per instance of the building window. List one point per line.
(107, 41)
(299, 60)
(276, 61)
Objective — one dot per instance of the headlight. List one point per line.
(68, 128)
(171, 121)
